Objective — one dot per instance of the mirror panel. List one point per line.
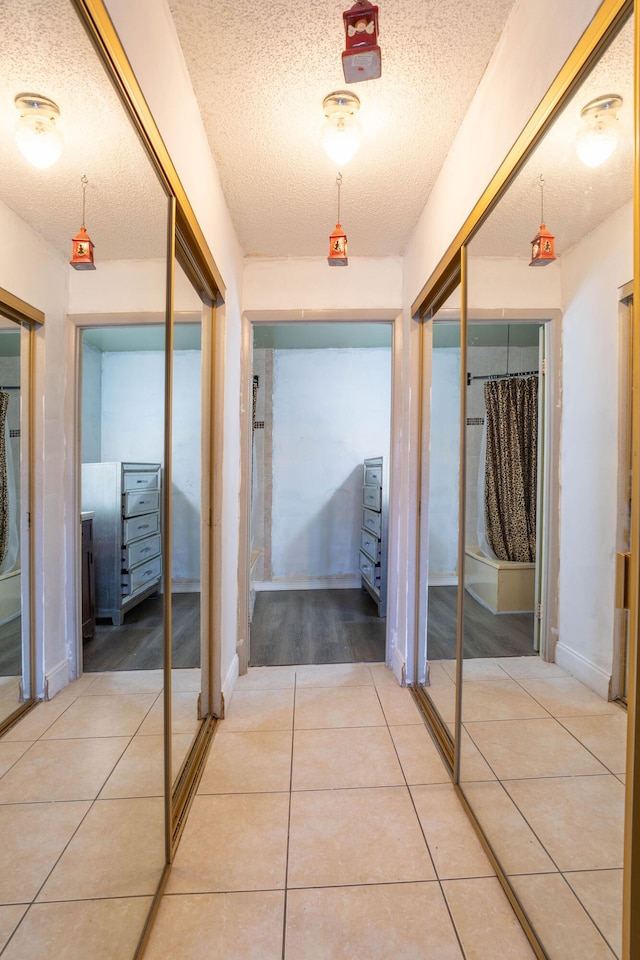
(441, 466)
(542, 751)
(15, 481)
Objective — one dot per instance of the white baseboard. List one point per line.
(398, 666)
(583, 670)
(56, 680)
(442, 580)
(185, 586)
(318, 583)
(229, 682)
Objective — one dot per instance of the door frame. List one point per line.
(251, 318)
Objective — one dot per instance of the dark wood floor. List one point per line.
(315, 626)
(485, 634)
(138, 643)
(11, 648)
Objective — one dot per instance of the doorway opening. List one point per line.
(321, 407)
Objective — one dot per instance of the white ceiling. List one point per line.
(260, 90)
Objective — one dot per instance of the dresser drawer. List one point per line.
(141, 576)
(372, 521)
(370, 545)
(373, 475)
(372, 497)
(369, 571)
(140, 480)
(139, 501)
(141, 550)
(138, 527)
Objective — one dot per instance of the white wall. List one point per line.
(331, 409)
(91, 403)
(592, 272)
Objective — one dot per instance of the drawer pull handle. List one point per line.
(143, 526)
(146, 550)
(147, 574)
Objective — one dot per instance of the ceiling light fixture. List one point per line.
(37, 135)
(600, 131)
(341, 132)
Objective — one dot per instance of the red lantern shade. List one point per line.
(542, 248)
(362, 59)
(82, 256)
(338, 248)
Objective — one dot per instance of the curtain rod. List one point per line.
(502, 376)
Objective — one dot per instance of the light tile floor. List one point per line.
(82, 816)
(542, 765)
(326, 827)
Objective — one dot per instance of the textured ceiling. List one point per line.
(260, 90)
(260, 79)
(45, 50)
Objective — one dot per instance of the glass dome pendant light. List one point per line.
(600, 131)
(341, 131)
(37, 136)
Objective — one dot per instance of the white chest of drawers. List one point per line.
(127, 541)
(373, 535)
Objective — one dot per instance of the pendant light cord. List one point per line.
(541, 199)
(84, 182)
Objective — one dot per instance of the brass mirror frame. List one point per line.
(25, 315)
(188, 246)
(448, 273)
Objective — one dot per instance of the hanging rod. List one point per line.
(9, 388)
(502, 376)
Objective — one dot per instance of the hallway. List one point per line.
(326, 827)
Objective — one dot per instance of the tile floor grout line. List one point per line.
(588, 913)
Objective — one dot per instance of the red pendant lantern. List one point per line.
(542, 248)
(338, 239)
(542, 245)
(362, 59)
(338, 248)
(82, 246)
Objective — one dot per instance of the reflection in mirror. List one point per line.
(442, 455)
(542, 755)
(188, 622)
(15, 633)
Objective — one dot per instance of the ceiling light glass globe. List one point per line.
(597, 140)
(39, 140)
(341, 136)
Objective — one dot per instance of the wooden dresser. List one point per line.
(127, 542)
(373, 535)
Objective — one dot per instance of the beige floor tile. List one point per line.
(567, 697)
(382, 674)
(250, 762)
(125, 681)
(605, 737)
(473, 766)
(512, 839)
(10, 917)
(517, 749)
(345, 757)
(408, 921)
(341, 837)
(9, 688)
(485, 921)
(38, 720)
(498, 700)
(113, 716)
(441, 671)
(118, 851)
(600, 892)
(62, 770)
(259, 710)
(561, 924)
(10, 752)
(334, 675)
(184, 715)
(99, 929)
(77, 688)
(33, 837)
(481, 668)
(233, 842)
(419, 757)
(187, 680)
(579, 820)
(453, 843)
(443, 697)
(267, 678)
(140, 770)
(319, 707)
(234, 926)
(529, 667)
(398, 705)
